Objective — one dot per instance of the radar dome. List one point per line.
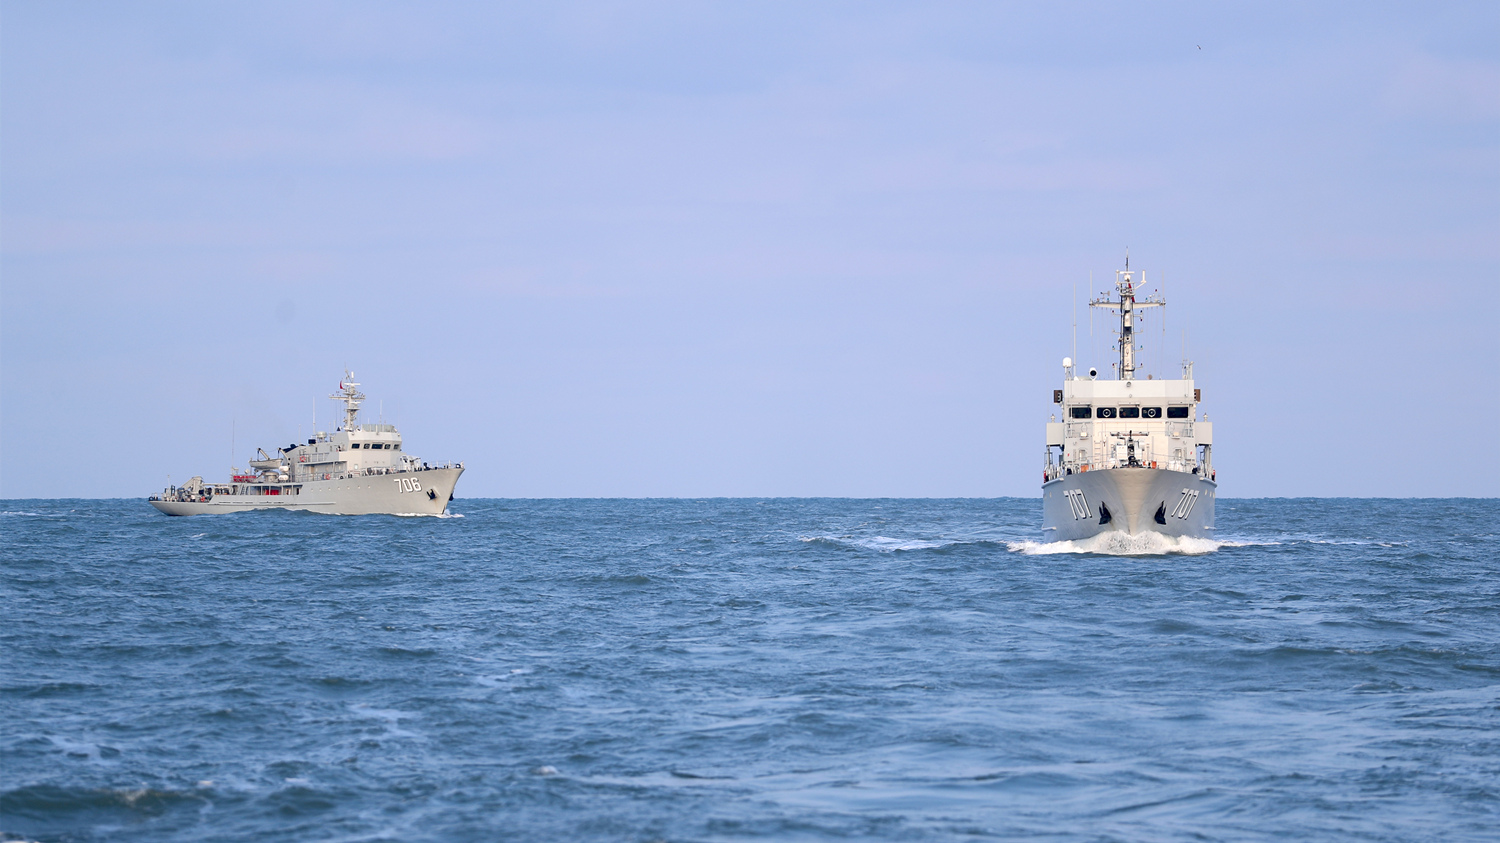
(1067, 362)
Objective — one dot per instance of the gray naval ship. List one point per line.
(1130, 454)
(359, 469)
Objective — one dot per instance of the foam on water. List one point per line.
(882, 544)
(1118, 543)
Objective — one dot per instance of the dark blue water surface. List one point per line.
(738, 669)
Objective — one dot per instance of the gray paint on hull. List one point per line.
(378, 494)
(1132, 496)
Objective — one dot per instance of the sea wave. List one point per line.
(884, 544)
(810, 669)
(1358, 543)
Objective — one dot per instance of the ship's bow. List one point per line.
(1128, 500)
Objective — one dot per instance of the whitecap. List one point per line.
(501, 680)
(391, 718)
(390, 715)
(1358, 542)
(76, 748)
(883, 544)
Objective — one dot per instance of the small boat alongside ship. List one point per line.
(359, 469)
(1130, 454)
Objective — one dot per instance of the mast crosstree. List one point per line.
(351, 396)
(1127, 304)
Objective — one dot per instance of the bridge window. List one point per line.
(1106, 412)
(1151, 412)
(1080, 412)
(1177, 412)
(1130, 412)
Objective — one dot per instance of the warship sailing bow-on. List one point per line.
(1130, 454)
(359, 469)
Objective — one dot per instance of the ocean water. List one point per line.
(720, 670)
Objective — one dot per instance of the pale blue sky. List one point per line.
(743, 248)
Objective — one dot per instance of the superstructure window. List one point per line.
(1177, 412)
(1130, 412)
(1151, 412)
(1106, 412)
(1080, 412)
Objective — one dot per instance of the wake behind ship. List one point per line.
(1130, 454)
(359, 469)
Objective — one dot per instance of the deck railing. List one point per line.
(381, 471)
(1055, 470)
(274, 488)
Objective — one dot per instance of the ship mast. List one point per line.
(351, 396)
(1127, 305)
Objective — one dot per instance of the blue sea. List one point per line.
(741, 669)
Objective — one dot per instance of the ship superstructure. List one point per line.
(359, 469)
(1129, 454)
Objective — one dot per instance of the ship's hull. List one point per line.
(1136, 500)
(403, 493)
